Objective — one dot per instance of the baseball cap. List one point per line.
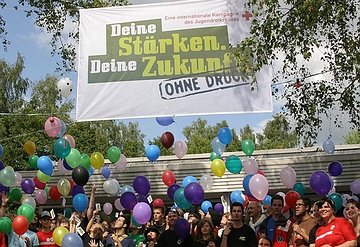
(45, 214)
(151, 229)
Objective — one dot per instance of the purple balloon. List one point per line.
(128, 200)
(2, 165)
(28, 186)
(77, 189)
(355, 187)
(335, 168)
(320, 183)
(219, 208)
(4, 188)
(194, 193)
(181, 228)
(66, 165)
(141, 185)
(171, 191)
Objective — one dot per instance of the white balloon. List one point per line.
(110, 187)
(29, 200)
(65, 87)
(206, 181)
(250, 165)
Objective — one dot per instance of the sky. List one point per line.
(33, 44)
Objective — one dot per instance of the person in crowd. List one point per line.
(136, 234)
(336, 231)
(239, 235)
(93, 233)
(301, 229)
(193, 220)
(120, 237)
(107, 230)
(159, 219)
(264, 242)
(45, 234)
(226, 221)
(87, 214)
(255, 215)
(168, 238)
(34, 225)
(215, 218)
(205, 235)
(65, 223)
(276, 226)
(53, 224)
(28, 239)
(152, 235)
(319, 222)
(352, 211)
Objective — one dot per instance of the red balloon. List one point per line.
(158, 202)
(54, 193)
(20, 224)
(291, 197)
(168, 177)
(262, 173)
(167, 139)
(72, 183)
(39, 184)
(286, 209)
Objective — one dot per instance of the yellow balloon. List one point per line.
(59, 234)
(42, 177)
(29, 147)
(218, 167)
(64, 186)
(97, 160)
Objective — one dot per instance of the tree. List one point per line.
(247, 133)
(352, 137)
(291, 33)
(277, 134)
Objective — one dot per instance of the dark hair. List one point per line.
(236, 204)
(328, 200)
(277, 197)
(126, 221)
(162, 209)
(353, 201)
(199, 236)
(307, 203)
(266, 238)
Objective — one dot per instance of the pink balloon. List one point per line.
(18, 179)
(70, 139)
(121, 163)
(250, 165)
(180, 149)
(41, 196)
(52, 126)
(288, 176)
(142, 212)
(259, 186)
(107, 208)
(118, 205)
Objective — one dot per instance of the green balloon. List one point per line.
(5, 225)
(33, 161)
(248, 147)
(113, 154)
(15, 194)
(85, 161)
(26, 210)
(233, 164)
(73, 159)
(47, 191)
(214, 155)
(42, 177)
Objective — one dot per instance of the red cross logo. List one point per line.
(247, 15)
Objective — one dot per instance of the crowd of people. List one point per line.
(250, 225)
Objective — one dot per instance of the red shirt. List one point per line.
(46, 239)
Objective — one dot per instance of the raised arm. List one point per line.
(90, 209)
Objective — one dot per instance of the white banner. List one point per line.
(166, 59)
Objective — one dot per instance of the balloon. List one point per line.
(28, 186)
(171, 191)
(52, 126)
(38, 183)
(113, 154)
(205, 205)
(70, 139)
(127, 188)
(45, 165)
(62, 148)
(338, 201)
(237, 196)
(118, 205)
(33, 161)
(329, 147)
(233, 164)
(158, 202)
(107, 208)
(181, 228)
(80, 175)
(20, 224)
(259, 186)
(288, 176)
(30, 201)
(1, 150)
(7, 176)
(5, 225)
(246, 182)
(121, 164)
(63, 129)
(72, 240)
(18, 179)
(74, 158)
(217, 146)
(180, 199)
(2, 165)
(80, 202)
(248, 147)
(15, 194)
(355, 187)
(29, 147)
(54, 193)
(335, 168)
(64, 186)
(110, 187)
(77, 189)
(267, 200)
(299, 188)
(213, 156)
(218, 167)
(168, 177)
(167, 139)
(27, 211)
(152, 152)
(91, 171)
(180, 149)
(65, 87)
(41, 196)
(59, 233)
(165, 121)
(219, 208)
(4, 188)
(291, 197)
(206, 182)
(225, 135)
(187, 180)
(250, 165)
(97, 160)
(141, 185)
(42, 177)
(320, 183)
(85, 161)
(142, 212)
(128, 200)
(105, 171)
(194, 193)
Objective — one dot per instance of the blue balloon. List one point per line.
(205, 205)
(237, 196)
(1, 150)
(45, 165)
(127, 188)
(80, 202)
(72, 240)
(356, 198)
(246, 182)
(165, 121)
(105, 171)
(225, 135)
(63, 129)
(90, 170)
(187, 180)
(329, 147)
(152, 152)
(267, 200)
(217, 146)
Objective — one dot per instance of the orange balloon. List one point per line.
(29, 147)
